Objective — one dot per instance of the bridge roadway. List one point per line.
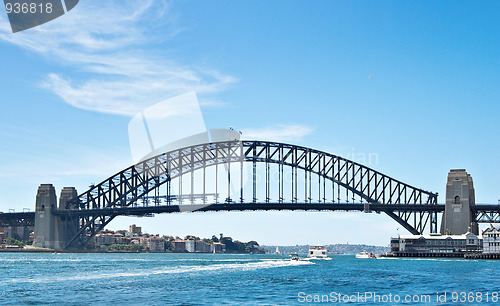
(17, 219)
(141, 211)
(485, 213)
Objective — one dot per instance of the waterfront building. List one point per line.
(491, 240)
(99, 239)
(155, 244)
(178, 245)
(126, 240)
(190, 245)
(108, 238)
(218, 247)
(436, 245)
(137, 230)
(202, 247)
(117, 238)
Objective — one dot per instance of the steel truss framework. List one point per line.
(17, 219)
(354, 187)
(313, 180)
(486, 213)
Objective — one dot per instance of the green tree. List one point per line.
(252, 244)
(13, 241)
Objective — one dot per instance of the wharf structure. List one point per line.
(436, 245)
(459, 236)
(491, 245)
(491, 241)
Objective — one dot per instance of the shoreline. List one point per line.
(13, 250)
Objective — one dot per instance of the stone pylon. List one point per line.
(46, 201)
(460, 197)
(53, 231)
(66, 226)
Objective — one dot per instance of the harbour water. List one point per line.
(206, 279)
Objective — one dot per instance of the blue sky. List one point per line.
(415, 83)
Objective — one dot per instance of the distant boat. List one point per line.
(294, 257)
(365, 255)
(277, 251)
(317, 252)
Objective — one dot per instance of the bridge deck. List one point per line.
(141, 211)
(17, 219)
(27, 218)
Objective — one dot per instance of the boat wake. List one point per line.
(233, 267)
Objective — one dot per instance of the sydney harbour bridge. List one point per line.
(232, 176)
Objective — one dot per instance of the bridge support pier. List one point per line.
(17, 232)
(66, 226)
(458, 218)
(52, 231)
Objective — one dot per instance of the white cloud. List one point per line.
(108, 47)
(283, 133)
(55, 159)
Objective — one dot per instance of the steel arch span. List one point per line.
(247, 175)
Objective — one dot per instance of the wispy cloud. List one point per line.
(107, 47)
(284, 133)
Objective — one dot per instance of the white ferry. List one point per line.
(317, 252)
(365, 255)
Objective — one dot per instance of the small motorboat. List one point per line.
(294, 257)
(365, 255)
